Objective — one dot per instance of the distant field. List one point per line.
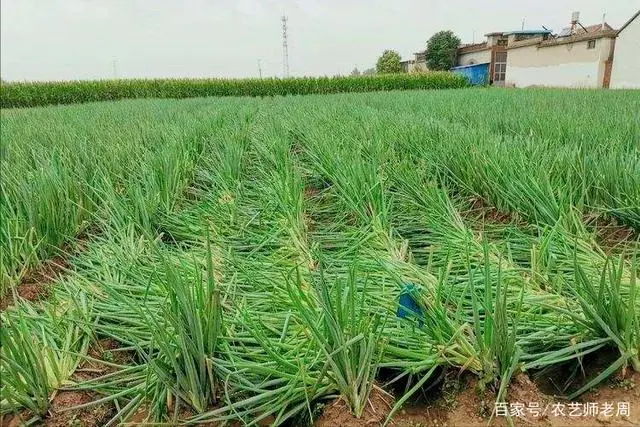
(34, 94)
(243, 259)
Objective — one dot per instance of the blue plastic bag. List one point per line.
(407, 305)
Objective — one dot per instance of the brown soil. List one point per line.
(105, 349)
(108, 344)
(417, 416)
(95, 416)
(296, 147)
(310, 192)
(612, 392)
(89, 417)
(337, 413)
(10, 420)
(610, 235)
(480, 210)
(35, 283)
(622, 388)
(142, 418)
(470, 408)
(60, 416)
(309, 223)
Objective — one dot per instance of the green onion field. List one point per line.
(248, 260)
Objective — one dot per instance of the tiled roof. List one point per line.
(465, 48)
(578, 30)
(527, 32)
(583, 36)
(595, 28)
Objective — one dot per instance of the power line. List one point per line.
(285, 48)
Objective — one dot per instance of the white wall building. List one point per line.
(581, 59)
(474, 54)
(626, 60)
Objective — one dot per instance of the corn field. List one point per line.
(248, 255)
(33, 94)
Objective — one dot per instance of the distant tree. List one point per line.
(369, 72)
(355, 72)
(389, 62)
(441, 50)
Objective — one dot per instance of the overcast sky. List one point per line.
(84, 39)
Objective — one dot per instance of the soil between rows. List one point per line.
(466, 407)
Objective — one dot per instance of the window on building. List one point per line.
(502, 42)
(591, 44)
(500, 68)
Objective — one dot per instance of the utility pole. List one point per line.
(285, 48)
(522, 24)
(115, 69)
(259, 69)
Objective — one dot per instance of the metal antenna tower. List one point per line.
(285, 48)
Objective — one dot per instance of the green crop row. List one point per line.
(249, 260)
(16, 95)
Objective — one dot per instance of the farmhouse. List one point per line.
(492, 51)
(407, 65)
(626, 63)
(577, 57)
(419, 62)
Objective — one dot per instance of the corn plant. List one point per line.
(14, 95)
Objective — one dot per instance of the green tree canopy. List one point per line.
(441, 50)
(389, 62)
